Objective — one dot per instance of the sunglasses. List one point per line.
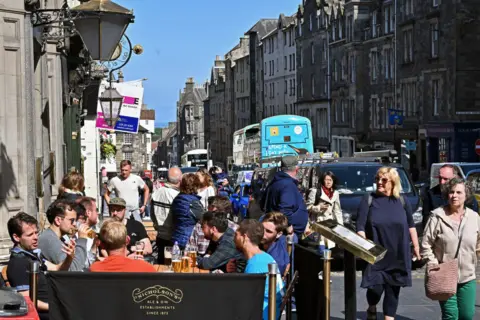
(382, 180)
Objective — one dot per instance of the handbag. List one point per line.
(441, 280)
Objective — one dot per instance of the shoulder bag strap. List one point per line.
(460, 236)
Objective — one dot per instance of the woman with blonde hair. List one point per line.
(453, 232)
(206, 189)
(385, 217)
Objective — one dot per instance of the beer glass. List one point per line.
(139, 247)
(167, 253)
(192, 254)
(185, 261)
(177, 264)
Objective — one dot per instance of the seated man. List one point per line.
(23, 230)
(274, 241)
(62, 218)
(114, 239)
(135, 230)
(216, 203)
(215, 229)
(248, 237)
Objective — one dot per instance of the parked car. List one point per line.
(473, 177)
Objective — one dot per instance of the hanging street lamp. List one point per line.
(111, 103)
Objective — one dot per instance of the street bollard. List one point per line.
(272, 291)
(327, 258)
(289, 276)
(33, 291)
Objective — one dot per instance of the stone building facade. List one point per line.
(190, 114)
(279, 52)
(313, 71)
(216, 118)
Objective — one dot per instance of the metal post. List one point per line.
(350, 285)
(272, 291)
(288, 279)
(327, 257)
(33, 292)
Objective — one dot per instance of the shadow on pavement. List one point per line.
(363, 315)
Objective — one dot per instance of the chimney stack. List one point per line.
(189, 85)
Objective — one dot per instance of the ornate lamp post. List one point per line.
(100, 23)
(111, 103)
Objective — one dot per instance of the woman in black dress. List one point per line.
(385, 217)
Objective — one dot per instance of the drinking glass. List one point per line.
(192, 254)
(185, 261)
(167, 252)
(139, 247)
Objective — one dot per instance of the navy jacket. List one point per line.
(433, 199)
(282, 195)
(186, 211)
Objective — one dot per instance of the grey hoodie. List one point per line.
(440, 242)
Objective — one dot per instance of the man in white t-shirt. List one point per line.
(126, 186)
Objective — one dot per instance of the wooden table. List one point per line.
(164, 268)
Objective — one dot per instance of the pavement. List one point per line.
(413, 302)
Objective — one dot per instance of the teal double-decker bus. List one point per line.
(285, 135)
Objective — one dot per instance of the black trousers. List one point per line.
(161, 244)
(390, 299)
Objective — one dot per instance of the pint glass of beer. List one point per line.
(167, 253)
(177, 265)
(185, 264)
(192, 254)
(139, 247)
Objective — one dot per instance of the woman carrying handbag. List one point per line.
(450, 246)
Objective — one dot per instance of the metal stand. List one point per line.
(327, 258)
(288, 279)
(33, 291)
(350, 283)
(272, 291)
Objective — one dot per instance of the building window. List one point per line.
(388, 16)
(325, 48)
(352, 69)
(435, 3)
(388, 62)
(285, 64)
(313, 85)
(409, 7)
(434, 39)
(300, 87)
(127, 138)
(265, 69)
(284, 38)
(286, 88)
(435, 98)
(344, 106)
(408, 46)
(340, 29)
(334, 30)
(374, 65)
(318, 19)
(388, 106)
(128, 156)
(374, 113)
(350, 28)
(325, 82)
(335, 71)
(310, 26)
(374, 24)
(335, 110)
(293, 88)
(312, 53)
(293, 64)
(353, 112)
(300, 29)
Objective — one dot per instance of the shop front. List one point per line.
(440, 146)
(466, 135)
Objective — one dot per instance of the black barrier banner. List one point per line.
(118, 296)
(309, 289)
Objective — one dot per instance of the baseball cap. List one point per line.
(289, 161)
(118, 202)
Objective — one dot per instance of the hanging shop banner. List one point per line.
(143, 296)
(129, 117)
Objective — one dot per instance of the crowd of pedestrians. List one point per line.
(194, 210)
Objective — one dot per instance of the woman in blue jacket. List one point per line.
(186, 209)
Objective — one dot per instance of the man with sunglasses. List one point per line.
(62, 217)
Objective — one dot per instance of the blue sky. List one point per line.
(182, 38)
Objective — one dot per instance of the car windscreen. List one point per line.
(474, 180)
(353, 179)
(189, 169)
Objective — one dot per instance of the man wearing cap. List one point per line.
(282, 195)
(136, 230)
